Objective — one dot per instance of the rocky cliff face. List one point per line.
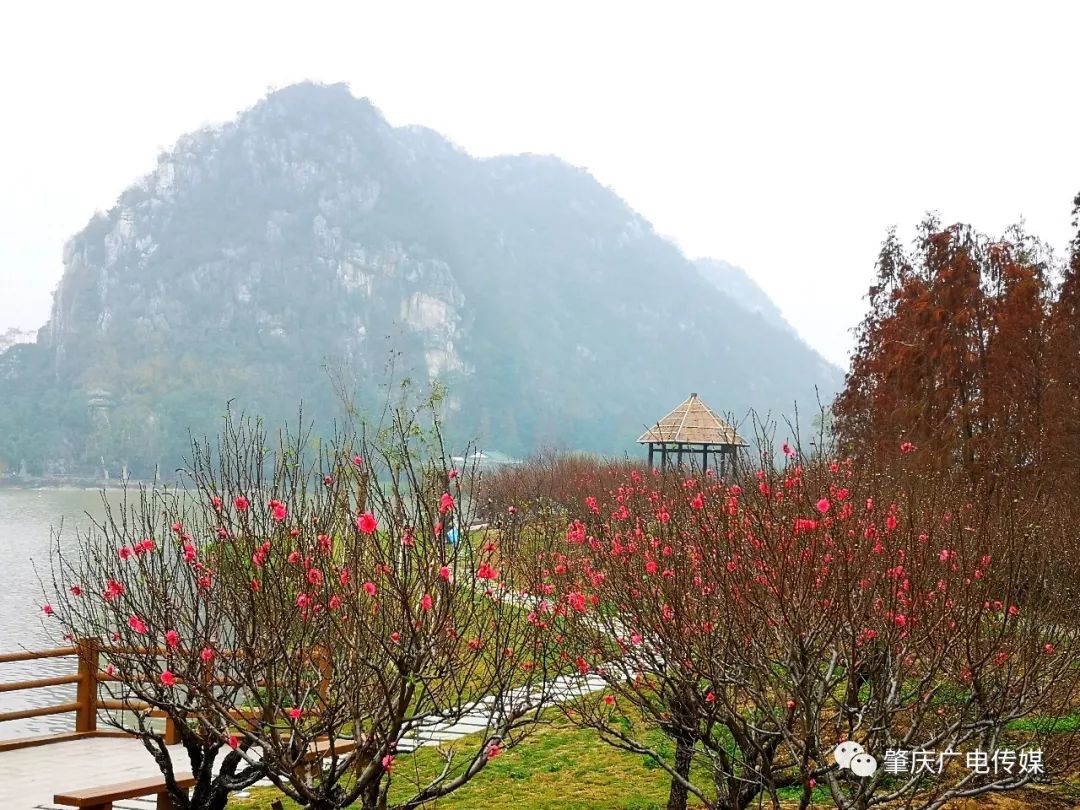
(309, 233)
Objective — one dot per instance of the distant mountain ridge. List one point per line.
(736, 283)
(310, 234)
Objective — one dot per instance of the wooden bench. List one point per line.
(102, 797)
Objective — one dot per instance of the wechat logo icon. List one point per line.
(851, 755)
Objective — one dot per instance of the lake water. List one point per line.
(26, 519)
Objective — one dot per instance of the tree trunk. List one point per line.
(684, 756)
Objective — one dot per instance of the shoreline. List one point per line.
(73, 483)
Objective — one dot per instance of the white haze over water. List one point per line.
(783, 137)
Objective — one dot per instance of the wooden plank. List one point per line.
(321, 749)
(39, 683)
(33, 655)
(106, 794)
(40, 712)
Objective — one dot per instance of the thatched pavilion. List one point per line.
(693, 432)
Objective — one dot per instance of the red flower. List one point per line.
(278, 511)
(172, 638)
(207, 655)
(241, 503)
(137, 624)
(366, 523)
(168, 678)
(328, 480)
(493, 751)
(698, 502)
(823, 505)
(388, 763)
(370, 589)
(452, 474)
(76, 590)
(359, 462)
(444, 573)
(216, 503)
(295, 713)
(425, 602)
(907, 447)
(113, 589)
(47, 610)
(446, 503)
(234, 742)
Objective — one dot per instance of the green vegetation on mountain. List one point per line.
(309, 234)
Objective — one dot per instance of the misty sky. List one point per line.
(783, 137)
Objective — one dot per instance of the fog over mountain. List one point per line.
(310, 234)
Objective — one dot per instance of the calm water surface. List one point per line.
(26, 519)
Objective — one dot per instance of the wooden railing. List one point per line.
(87, 678)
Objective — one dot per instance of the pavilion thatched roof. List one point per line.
(693, 422)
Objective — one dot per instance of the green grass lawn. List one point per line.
(559, 767)
(562, 767)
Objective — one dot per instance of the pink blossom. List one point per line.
(47, 610)
(366, 523)
(446, 503)
(295, 713)
(444, 573)
(823, 505)
(137, 624)
(234, 742)
(76, 590)
(207, 655)
(113, 589)
(241, 503)
(493, 751)
(168, 678)
(425, 602)
(370, 589)
(172, 638)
